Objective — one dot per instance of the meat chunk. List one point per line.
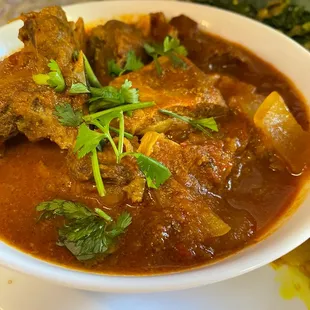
(80, 169)
(113, 41)
(240, 97)
(208, 52)
(178, 212)
(186, 91)
(26, 107)
(200, 164)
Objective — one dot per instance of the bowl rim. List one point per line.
(233, 266)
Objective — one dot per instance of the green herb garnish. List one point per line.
(87, 234)
(79, 88)
(53, 79)
(126, 134)
(172, 48)
(108, 96)
(87, 140)
(133, 63)
(200, 124)
(91, 77)
(155, 172)
(124, 108)
(67, 116)
(97, 172)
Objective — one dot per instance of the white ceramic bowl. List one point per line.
(273, 47)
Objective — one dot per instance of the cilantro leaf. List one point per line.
(54, 78)
(123, 221)
(173, 44)
(87, 140)
(67, 116)
(87, 234)
(170, 43)
(79, 88)
(200, 124)
(58, 207)
(133, 63)
(114, 69)
(155, 172)
(207, 122)
(107, 93)
(130, 95)
(171, 47)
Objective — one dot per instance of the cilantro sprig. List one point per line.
(87, 233)
(108, 96)
(199, 124)
(53, 79)
(133, 63)
(172, 48)
(105, 105)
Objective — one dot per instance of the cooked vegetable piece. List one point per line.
(148, 141)
(54, 78)
(87, 234)
(283, 133)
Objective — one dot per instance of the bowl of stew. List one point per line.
(147, 149)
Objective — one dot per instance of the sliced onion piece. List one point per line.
(283, 132)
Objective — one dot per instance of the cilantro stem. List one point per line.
(121, 135)
(124, 108)
(93, 81)
(97, 174)
(101, 105)
(126, 134)
(157, 65)
(177, 116)
(102, 214)
(198, 124)
(108, 136)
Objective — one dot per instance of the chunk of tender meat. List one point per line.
(175, 213)
(206, 50)
(200, 164)
(113, 41)
(26, 107)
(80, 169)
(185, 91)
(240, 97)
(160, 28)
